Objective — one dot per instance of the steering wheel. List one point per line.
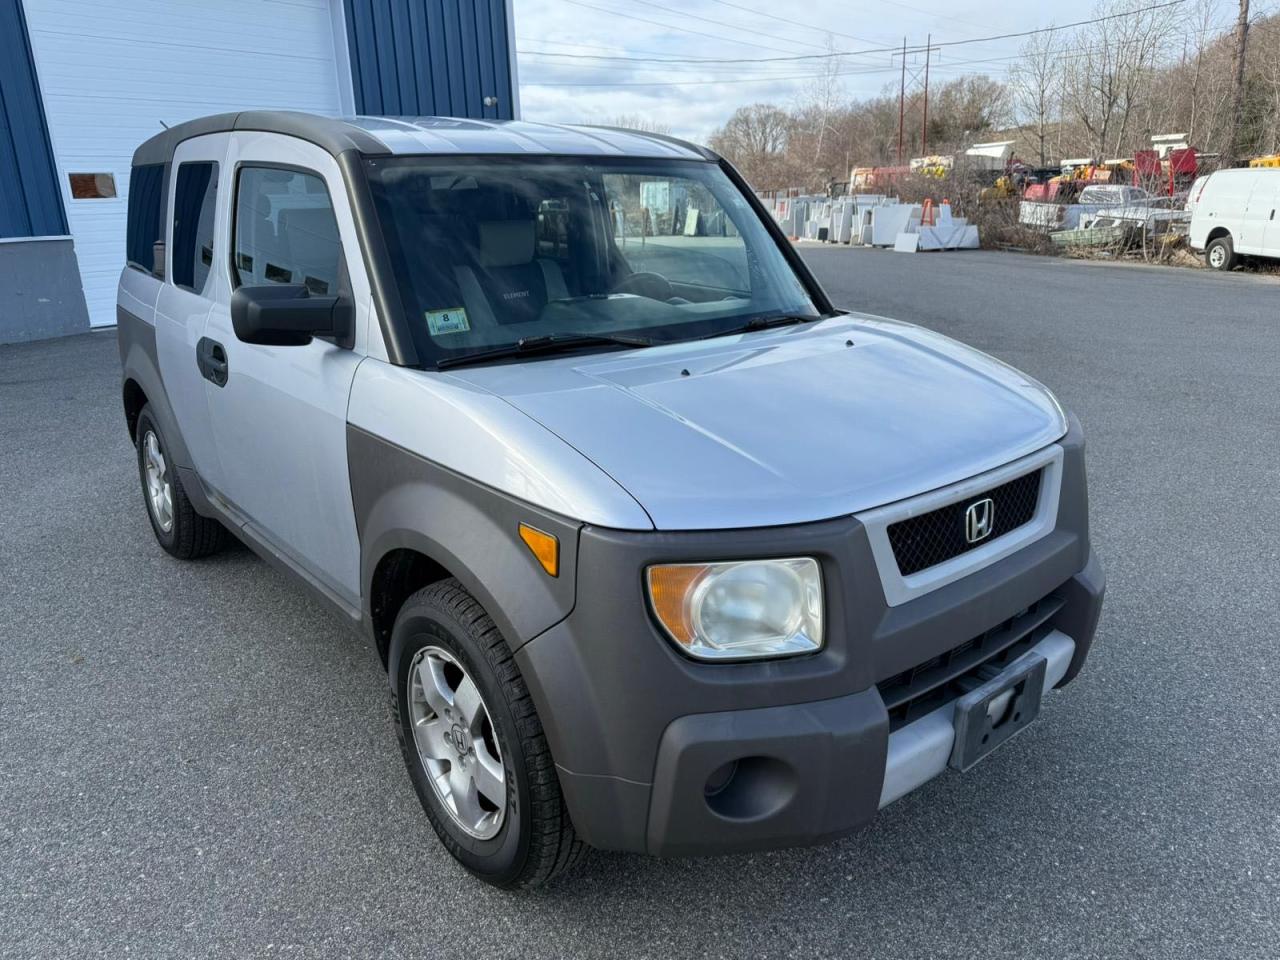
(652, 285)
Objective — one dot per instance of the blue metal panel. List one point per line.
(468, 41)
(402, 43)
(389, 68)
(484, 51)
(30, 204)
(430, 57)
(363, 51)
(503, 56)
(440, 92)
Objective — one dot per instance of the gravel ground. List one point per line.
(195, 760)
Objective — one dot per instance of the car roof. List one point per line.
(390, 136)
(1239, 171)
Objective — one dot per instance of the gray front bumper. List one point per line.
(637, 730)
(921, 750)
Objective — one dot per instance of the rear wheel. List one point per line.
(178, 528)
(473, 744)
(1220, 254)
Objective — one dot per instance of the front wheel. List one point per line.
(1220, 254)
(473, 744)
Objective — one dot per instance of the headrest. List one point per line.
(318, 221)
(505, 243)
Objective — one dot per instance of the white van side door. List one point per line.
(1257, 214)
(1271, 230)
(280, 417)
(194, 216)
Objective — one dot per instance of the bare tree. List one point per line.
(1113, 70)
(1202, 23)
(755, 139)
(821, 96)
(1232, 150)
(1265, 40)
(1197, 89)
(1101, 89)
(967, 108)
(638, 121)
(1036, 84)
(873, 130)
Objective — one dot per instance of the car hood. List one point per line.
(786, 426)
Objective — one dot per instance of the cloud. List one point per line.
(694, 99)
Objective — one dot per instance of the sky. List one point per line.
(567, 89)
(565, 76)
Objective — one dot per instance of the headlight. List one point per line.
(739, 610)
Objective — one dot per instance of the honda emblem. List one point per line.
(979, 519)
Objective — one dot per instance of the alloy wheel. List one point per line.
(159, 489)
(456, 742)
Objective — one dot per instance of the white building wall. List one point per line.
(112, 71)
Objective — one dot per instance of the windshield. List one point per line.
(491, 251)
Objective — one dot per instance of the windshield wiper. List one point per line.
(763, 323)
(547, 343)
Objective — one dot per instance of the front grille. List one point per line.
(923, 688)
(935, 537)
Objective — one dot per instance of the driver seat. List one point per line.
(506, 284)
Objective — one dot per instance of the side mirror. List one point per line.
(287, 315)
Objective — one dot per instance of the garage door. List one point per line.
(113, 71)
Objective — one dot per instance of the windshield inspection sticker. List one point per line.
(453, 320)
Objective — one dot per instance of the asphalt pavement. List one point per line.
(197, 760)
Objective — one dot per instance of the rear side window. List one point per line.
(285, 230)
(144, 243)
(195, 200)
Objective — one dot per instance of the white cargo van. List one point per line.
(1234, 214)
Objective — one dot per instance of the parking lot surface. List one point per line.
(197, 760)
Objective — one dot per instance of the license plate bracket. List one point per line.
(997, 709)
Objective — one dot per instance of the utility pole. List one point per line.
(902, 99)
(1232, 153)
(924, 127)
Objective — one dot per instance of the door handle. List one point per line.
(211, 357)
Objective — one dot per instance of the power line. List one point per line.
(1059, 55)
(590, 46)
(1053, 29)
(567, 72)
(859, 71)
(927, 13)
(690, 83)
(796, 23)
(845, 53)
(723, 23)
(667, 26)
(533, 59)
(665, 69)
(626, 58)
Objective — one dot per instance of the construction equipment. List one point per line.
(1002, 189)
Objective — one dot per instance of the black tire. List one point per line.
(1220, 254)
(536, 840)
(190, 535)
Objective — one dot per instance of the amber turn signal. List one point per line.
(669, 589)
(544, 546)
